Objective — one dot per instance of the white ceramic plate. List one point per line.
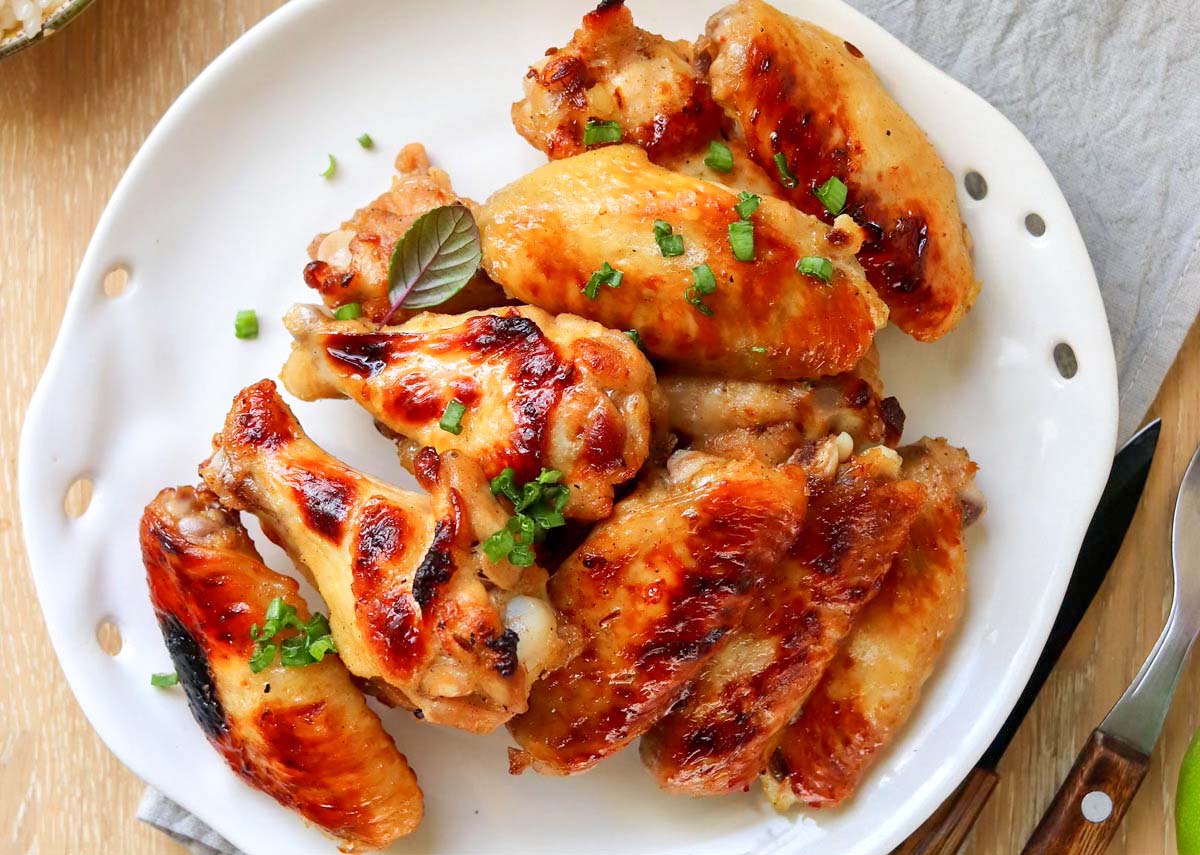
(214, 216)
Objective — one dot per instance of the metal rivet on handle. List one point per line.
(1096, 806)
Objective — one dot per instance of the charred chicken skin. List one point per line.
(304, 736)
(654, 590)
(873, 685)
(539, 391)
(804, 95)
(416, 609)
(547, 234)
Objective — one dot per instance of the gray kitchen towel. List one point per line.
(1109, 92)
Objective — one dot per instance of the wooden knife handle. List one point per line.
(1091, 802)
(944, 832)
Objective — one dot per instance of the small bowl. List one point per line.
(61, 16)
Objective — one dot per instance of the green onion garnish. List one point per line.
(164, 681)
(636, 338)
(331, 168)
(537, 506)
(719, 157)
(366, 142)
(310, 643)
(596, 132)
(606, 275)
(703, 284)
(786, 178)
(741, 238)
(452, 418)
(758, 349)
(811, 265)
(348, 312)
(746, 205)
(245, 325)
(670, 244)
(832, 195)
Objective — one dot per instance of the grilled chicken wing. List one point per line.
(350, 263)
(545, 235)
(774, 418)
(304, 736)
(873, 685)
(613, 71)
(415, 607)
(797, 90)
(653, 590)
(561, 393)
(718, 738)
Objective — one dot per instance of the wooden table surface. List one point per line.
(72, 113)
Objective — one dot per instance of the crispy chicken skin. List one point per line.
(546, 233)
(653, 591)
(611, 70)
(414, 604)
(795, 89)
(718, 738)
(777, 417)
(541, 391)
(350, 263)
(872, 686)
(304, 736)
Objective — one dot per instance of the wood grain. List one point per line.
(72, 113)
(946, 830)
(1105, 767)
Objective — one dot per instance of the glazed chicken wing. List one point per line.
(613, 71)
(539, 391)
(773, 418)
(350, 263)
(303, 735)
(416, 608)
(875, 682)
(718, 738)
(545, 235)
(798, 91)
(653, 590)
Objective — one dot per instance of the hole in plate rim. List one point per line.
(1065, 360)
(116, 282)
(78, 496)
(975, 184)
(108, 636)
(1035, 224)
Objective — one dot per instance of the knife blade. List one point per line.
(944, 832)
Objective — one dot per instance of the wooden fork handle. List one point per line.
(944, 832)
(1089, 806)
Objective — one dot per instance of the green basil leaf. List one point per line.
(435, 259)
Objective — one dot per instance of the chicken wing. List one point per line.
(802, 93)
(774, 418)
(718, 738)
(304, 736)
(414, 604)
(350, 263)
(548, 233)
(561, 393)
(873, 685)
(613, 71)
(653, 591)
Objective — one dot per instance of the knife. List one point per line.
(943, 833)
(1090, 804)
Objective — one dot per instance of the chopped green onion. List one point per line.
(758, 349)
(719, 157)
(703, 284)
(245, 325)
(537, 506)
(786, 178)
(366, 142)
(832, 195)
(741, 238)
(164, 681)
(746, 205)
(331, 168)
(348, 312)
(669, 244)
(596, 132)
(452, 418)
(310, 643)
(636, 338)
(606, 275)
(811, 265)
